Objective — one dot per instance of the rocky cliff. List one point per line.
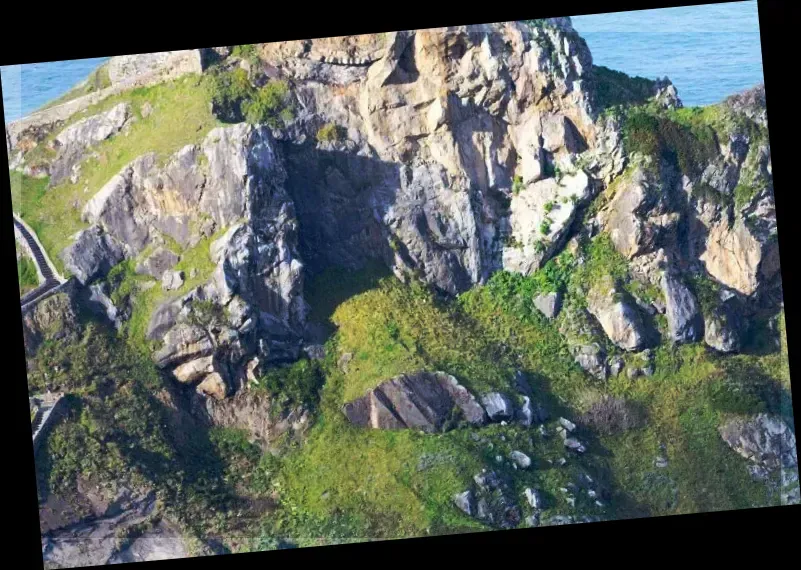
(622, 230)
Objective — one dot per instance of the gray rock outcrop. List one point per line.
(424, 400)
(620, 320)
(684, 318)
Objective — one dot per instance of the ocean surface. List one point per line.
(708, 51)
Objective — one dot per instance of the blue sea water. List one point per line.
(708, 51)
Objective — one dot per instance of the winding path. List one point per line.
(50, 279)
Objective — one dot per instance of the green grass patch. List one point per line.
(180, 116)
(615, 88)
(27, 276)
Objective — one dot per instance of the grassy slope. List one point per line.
(180, 116)
(27, 277)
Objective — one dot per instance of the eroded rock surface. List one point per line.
(424, 400)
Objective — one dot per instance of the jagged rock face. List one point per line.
(619, 318)
(682, 311)
(92, 254)
(638, 217)
(238, 184)
(258, 414)
(54, 318)
(737, 258)
(540, 218)
(722, 328)
(72, 142)
(751, 103)
(436, 120)
(770, 445)
(422, 401)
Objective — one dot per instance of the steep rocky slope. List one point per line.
(568, 245)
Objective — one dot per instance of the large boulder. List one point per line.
(681, 309)
(638, 216)
(618, 317)
(92, 254)
(159, 261)
(424, 400)
(738, 258)
(769, 444)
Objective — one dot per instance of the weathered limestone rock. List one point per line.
(424, 400)
(183, 342)
(520, 459)
(190, 372)
(619, 319)
(92, 254)
(170, 64)
(548, 304)
(213, 385)
(534, 498)
(499, 406)
(540, 216)
(770, 445)
(638, 216)
(72, 142)
(96, 128)
(171, 280)
(762, 439)
(683, 314)
(157, 262)
(736, 258)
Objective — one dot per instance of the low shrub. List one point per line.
(610, 415)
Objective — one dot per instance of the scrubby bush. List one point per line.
(228, 90)
(330, 133)
(653, 132)
(610, 415)
(270, 105)
(299, 383)
(517, 185)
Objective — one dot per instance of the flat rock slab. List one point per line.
(423, 400)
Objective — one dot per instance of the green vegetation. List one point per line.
(545, 225)
(271, 105)
(27, 276)
(295, 384)
(616, 89)
(180, 116)
(235, 99)
(247, 52)
(517, 185)
(330, 133)
(126, 286)
(687, 145)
